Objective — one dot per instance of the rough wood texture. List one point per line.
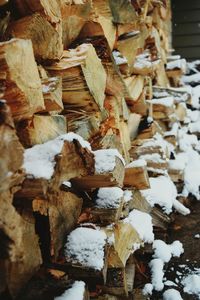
(46, 39)
(73, 19)
(40, 129)
(83, 85)
(23, 89)
(136, 177)
(62, 211)
(11, 151)
(48, 8)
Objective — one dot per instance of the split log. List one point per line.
(73, 19)
(40, 129)
(83, 262)
(11, 151)
(23, 89)
(128, 45)
(123, 11)
(52, 93)
(136, 175)
(49, 9)
(83, 86)
(111, 174)
(100, 23)
(47, 48)
(20, 248)
(62, 212)
(162, 107)
(120, 280)
(48, 165)
(108, 205)
(125, 236)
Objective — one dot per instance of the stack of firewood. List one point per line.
(85, 115)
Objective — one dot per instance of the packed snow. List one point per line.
(110, 197)
(172, 294)
(76, 292)
(164, 196)
(105, 160)
(86, 246)
(142, 222)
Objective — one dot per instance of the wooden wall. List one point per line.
(186, 28)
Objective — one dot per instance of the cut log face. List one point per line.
(87, 91)
(40, 129)
(11, 151)
(23, 89)
(136, 175)
(47, 48)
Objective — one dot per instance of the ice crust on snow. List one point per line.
(109, 197)
(105, 160)
(172, 294)
(76, 292)
(164, 196)
(142, 222)
(86, 246)
(39, 161)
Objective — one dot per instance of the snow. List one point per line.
(191, 284)
(147, 290)
(197, 236)
(179, 163)
(105, 160)
(180, 208)
(76, 292)
(110, 197)
(192, 175)
(67, 184)
(128, 195)
(194, 127)
(119, 58)
(164, 196)
(194, 78)
(137, 164)
(154, 157)
(196, 96)
(170, 283)
(86, 246)
(142, 222)
(165, 252)
(172, 294)
(166, 101)
(157, 273)
(39, 161)
(177, 64)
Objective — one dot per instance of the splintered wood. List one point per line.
(85, 89)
